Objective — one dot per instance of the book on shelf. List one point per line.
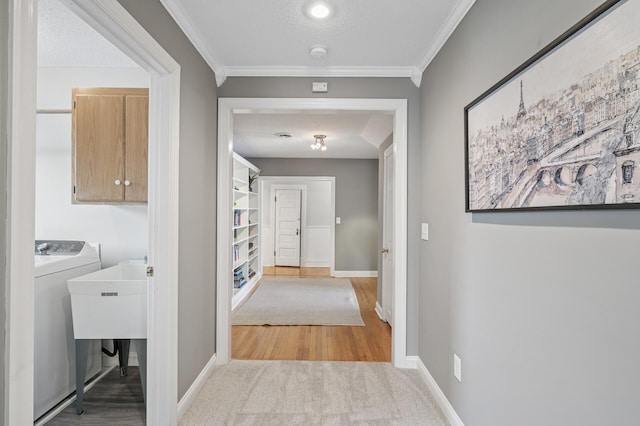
(236, 253)
(238, 278)
(237, 218)
(251, 272)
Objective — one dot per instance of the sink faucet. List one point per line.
(42, 248)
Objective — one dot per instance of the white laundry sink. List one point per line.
(110, 303)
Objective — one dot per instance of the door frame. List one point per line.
(300, 182)
(113, 21)
(227, 108)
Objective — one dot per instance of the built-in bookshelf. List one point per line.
(247, 265)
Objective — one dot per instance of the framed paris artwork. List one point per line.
(562, 131)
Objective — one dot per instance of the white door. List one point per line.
(387, 236)
(287, 235)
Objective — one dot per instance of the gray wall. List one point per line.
(198, 112)
(4, 37)
(543, 308)
(386, 144)
(356, 203)
(378, 88)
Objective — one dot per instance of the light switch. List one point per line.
(457, 367)
(338, 220)
(425, 231)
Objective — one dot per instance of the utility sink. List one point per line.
(110, 303)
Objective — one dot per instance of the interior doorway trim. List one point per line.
(294, 180)
(227, 108)
(111, 20)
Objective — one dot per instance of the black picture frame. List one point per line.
(562, 131)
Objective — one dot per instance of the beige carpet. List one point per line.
(313, 393)
(301, 301)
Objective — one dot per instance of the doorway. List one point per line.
(228, 107)
(112, 21)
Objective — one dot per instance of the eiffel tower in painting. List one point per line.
(521, 111)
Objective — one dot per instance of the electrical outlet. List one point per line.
(457, 367)
(338, 220)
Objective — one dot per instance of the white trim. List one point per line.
(448, 27)
(332, 208)
(302, 71)
(224, 262)
(111, 20)
(21, 143)
(355, 274)
(313, 263)
(180, 17)
(195, 388)
(222, 72)
(227, 107)
(412, 362)
(378, 310)
(439, 396)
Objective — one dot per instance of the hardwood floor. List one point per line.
(319, 343)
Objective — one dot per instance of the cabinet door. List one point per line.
(136, 147)
(98, 148)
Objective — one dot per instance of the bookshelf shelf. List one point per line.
(247, 266)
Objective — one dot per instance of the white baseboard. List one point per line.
(411, 361)
(379, 311)
(441, 399)
(195, 388)
(355, 274)
(311, 263)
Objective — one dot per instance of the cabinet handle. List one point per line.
(127, 182)
(117, 182)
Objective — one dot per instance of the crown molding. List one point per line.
(180, 17)
(413, 72)
(294, 71)
(450, 24)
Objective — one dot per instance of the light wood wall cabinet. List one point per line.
(110, 140)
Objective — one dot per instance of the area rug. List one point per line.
(301, 301)
(313, 394)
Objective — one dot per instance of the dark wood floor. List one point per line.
(319, 343)
(114, 400)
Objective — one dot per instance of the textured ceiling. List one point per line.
(349, 135)
(64, 40)
(276, 35)
(364, 37)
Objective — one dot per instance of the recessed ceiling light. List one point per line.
(320, 11)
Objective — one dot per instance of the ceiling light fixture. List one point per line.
(318, 144)
(320, 11)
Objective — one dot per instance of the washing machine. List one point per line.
(55, 263)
